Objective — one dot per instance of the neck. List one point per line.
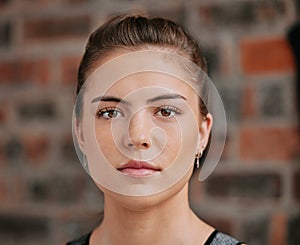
(168, 222)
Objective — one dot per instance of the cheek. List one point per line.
(106, 142)
(173, 144)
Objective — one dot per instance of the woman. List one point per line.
(142, 119)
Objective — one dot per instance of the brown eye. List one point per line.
(167, 112)
(110, 113)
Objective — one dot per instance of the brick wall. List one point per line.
(45, 195)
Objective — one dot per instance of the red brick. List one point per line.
(36, 147)
(20, 71)
(248, 103)
(56, 28)
(3, 115)
(262, 56)
(269, 143)
(278, 230)
(70, 69)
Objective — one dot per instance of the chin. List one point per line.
(143, 203)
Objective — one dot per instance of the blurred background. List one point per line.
(254, 194)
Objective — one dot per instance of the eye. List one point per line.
(167, 111)
(109, 113)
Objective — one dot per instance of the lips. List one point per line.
(138, 169)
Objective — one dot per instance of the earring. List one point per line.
(197, 158)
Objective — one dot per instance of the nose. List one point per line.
(139, 130)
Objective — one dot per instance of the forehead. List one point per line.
(150, 84)
(129, 72)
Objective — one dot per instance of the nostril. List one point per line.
(138, 145)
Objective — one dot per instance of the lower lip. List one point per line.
(139, 172)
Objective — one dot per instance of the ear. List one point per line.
(205, 126)
(79, 134)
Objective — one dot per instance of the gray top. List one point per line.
(216, 238)
(219, 238)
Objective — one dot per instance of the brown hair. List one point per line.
(133, 31)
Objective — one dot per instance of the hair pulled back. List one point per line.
(134, 31)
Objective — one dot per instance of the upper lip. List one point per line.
(139, 165)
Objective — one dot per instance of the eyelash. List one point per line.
(171, 109)
(101, 112)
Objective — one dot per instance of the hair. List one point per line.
(134, 31)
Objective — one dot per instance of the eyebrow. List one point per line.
(166, 97)
(119, 100)
(109, 98)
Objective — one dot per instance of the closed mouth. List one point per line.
(138, 169)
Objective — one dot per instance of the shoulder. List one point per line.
(84, 240)
(219, 238)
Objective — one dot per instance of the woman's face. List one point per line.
(145, 124)
(140, 122)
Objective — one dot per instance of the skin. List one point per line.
(142, 117)
(166, 217)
